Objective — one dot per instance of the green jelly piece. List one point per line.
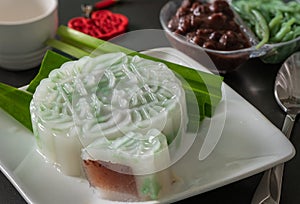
(151, 188)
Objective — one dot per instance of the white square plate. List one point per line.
(248, 144)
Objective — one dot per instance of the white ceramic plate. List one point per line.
(248, 144)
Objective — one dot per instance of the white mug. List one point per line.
(25, 26)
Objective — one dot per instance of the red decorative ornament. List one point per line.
(102, 24)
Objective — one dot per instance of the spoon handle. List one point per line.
(269, 188)
(288, 125)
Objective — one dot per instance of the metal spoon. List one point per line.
(287, 94)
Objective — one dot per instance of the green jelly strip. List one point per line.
(16, 103)
(271, 20)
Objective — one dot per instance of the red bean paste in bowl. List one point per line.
(209, 25)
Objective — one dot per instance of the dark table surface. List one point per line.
(254, 81)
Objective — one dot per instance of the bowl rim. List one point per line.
(42, 16)
(253, 51)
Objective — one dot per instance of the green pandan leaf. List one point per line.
(52, 60)
(76, 39)
(206, 86)
(16, 103)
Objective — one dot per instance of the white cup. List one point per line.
(25, 26)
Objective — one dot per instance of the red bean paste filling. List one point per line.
(210, 25)
(103, 177)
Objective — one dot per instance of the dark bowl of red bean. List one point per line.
(216, 28)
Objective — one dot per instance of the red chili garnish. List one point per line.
(105, 3)
(103, 24)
